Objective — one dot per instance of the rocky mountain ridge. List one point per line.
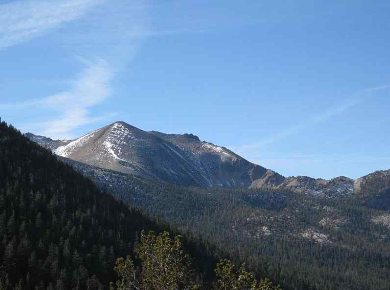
(307, 185)
(184, 159)
(179, 159)
(47, 142)
(373, 183)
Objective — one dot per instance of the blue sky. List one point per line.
(301, 87)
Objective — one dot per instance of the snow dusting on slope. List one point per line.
(219, 150)
(66, 150)
(117, 138)
(110, 149)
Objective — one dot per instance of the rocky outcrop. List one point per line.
(373, 183)
(306, 185)
(270, 180)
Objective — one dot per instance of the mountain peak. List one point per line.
(121, 129)
(176, 158)
(122, 124)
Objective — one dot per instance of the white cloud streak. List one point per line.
(21, 21)
(296, 129)
(250, 150)
(91, 88)
(71, 107)
(103, 33)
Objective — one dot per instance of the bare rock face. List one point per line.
(373, 183)
(335, 187)
(270, 180)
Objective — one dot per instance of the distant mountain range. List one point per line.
(186, 160)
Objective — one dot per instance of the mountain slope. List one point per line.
(304, 242)
(47, 142)
(58, 231)
(180, 159)
(301, 241)
(373, 183)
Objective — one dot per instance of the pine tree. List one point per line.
(164, 265)
(128, 276)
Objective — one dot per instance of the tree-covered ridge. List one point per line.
(300, 241)
(57, 230)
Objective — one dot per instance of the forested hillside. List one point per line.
(301, 241)
(58, 231)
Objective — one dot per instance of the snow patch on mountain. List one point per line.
(110, 149)
(219, 150)
(120, 133)
(67, 150)
(118, 138)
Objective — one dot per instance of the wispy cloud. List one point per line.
(91, 88)
(252, 149)
(21, 21)
(71, 108)
(110, 35)
(314, 120)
